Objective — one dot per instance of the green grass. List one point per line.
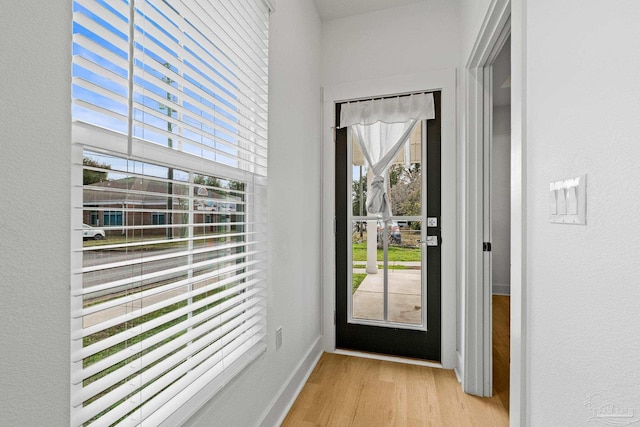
(400, 267)
(121, 240)
(121, 346)
(99, 336)
(357, 280)
(396, 253)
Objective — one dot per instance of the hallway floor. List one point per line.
(352, 391)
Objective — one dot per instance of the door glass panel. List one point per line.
(367, 287)
(404, 178)
(387, 266)
(405, 276)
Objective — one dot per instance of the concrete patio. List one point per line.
(405, 301)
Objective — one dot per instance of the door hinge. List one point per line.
(335, 226)
(486, 247)
(334, 317)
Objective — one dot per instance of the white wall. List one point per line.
(34, 220)
(34, 214)
(582, 102)
(377, 49)
(403, 40)
(583, 281)
(472, 14)
(501, 199)
(294, 206)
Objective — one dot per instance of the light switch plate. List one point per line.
(568, 201)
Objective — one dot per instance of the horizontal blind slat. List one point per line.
(98, 109)
(203, 133)
(161, 407)
(237, 283)
(212, 324)
(100, 50)
(80, 82)
(125, 390)
(137, 278)
(96, 7)
(120, 301)
(176, 294)
(218, 103)
(184, 53)
(157, 242)
(103, 32)
(145, 259)
(221, 30)
(254, 337)
(237, 293)
(95, 137)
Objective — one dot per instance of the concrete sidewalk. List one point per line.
(405, 300)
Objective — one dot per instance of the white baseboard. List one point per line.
(397, 359)
(501, 289)
(458, 369)
(286, 396)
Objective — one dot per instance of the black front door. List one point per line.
(388, 290)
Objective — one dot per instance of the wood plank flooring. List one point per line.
(350, 391)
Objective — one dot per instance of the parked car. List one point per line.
(89, 232)
(393, 229)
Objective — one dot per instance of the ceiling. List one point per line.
(331, 9)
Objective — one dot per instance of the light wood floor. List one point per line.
(350, 391)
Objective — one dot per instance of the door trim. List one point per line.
(477, 373)
(501, 15)
(444, 80)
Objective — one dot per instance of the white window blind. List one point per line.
(168, 296)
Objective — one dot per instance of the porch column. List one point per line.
(372, 235)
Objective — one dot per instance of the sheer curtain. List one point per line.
(382, 128)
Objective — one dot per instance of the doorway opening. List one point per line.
(500, 214)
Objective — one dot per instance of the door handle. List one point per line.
(430, 241)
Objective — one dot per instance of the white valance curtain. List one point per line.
(382, 127)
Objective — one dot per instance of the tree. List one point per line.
(209, 181)
(236, 185)
(170, 111)
(406, 189)
(358, 199)
(92, 176)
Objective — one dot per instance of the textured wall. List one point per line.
(34, 222)
(403, 40)
(583, 281)
(501, 199)
(34, 214)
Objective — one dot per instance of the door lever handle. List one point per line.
(430, 241)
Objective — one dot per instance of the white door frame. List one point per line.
(503, 17)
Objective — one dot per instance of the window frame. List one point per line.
(87, 136)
